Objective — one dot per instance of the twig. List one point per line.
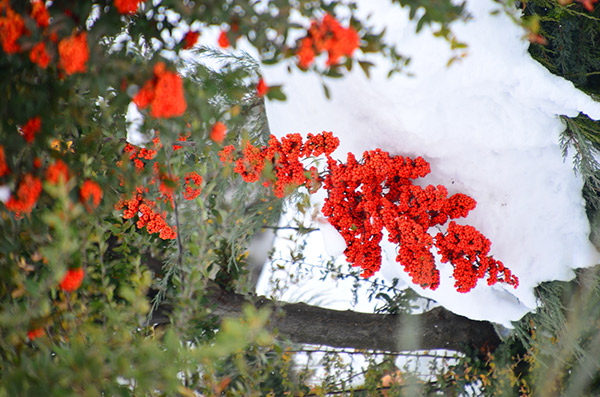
(300, 229)
(333, 393)
(371, 352)
(179, 243)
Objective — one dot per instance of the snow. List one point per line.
(489, 126)
(4, 193)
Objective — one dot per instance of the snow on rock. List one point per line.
(488, 125)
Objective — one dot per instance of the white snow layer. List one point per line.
(488, 125)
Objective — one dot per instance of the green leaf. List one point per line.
(334, 73)
(326, 91)
(366, 66)
(420, 24)
(275, 93)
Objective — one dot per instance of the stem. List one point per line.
(184, 143)
(300, 229)
(372, 352)
(331, 393)
(179, 243)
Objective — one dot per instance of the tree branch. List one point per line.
(302, 323)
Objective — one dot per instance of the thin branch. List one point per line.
(334, 393)
(184, 143)
(178, 232)
(300, 229)
(372, 352)
(179, 243)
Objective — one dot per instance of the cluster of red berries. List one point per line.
(70, 282)
(31, 128)
(29, 187)
(73, 51)
(327, 36)
(127, 6)
(143, 203)
(464, 246)
(147, 213)
(163, 93)
(284, 158)
(376, 193)
(26, 196)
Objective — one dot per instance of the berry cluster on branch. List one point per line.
(327, 36)
(287, 171)
(143, 202)
(373, 194)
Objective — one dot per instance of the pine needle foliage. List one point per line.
(583, 136)
(562, 338)
(572, 35)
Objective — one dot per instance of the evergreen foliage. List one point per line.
(572, 35)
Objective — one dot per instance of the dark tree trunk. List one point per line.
(302, 323)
